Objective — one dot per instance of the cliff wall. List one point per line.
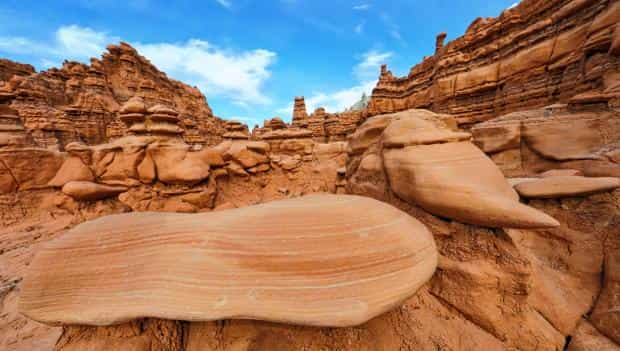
(534, 54)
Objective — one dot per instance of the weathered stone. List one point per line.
(393, 251)
(89, 191)
(565, 186)
(73, 169)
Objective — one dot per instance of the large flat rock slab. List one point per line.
(565, 186)
(321, 260)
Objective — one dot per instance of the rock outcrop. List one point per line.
(536, 90)
(300, 114)
(79, 102)
(325, 126)
(313, 260)
(9, 69)
(438, 169)
(561, 136)
(565, 186)
(534, 54)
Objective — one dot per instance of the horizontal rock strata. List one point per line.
(534, 54)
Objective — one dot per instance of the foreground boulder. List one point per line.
(320, 260)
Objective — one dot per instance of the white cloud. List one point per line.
(81, 42)
(395, 33)
(393, 29)
(365, 72)
(336, 101)
(226, 3)
(513, 5)
(236, 75)
(249, 121)
(361, 7)
(19, 45)
(70, 42)
(371, 62)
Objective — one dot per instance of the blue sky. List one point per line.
(250, 58)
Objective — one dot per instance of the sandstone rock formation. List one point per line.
(312, 260)
(439, 169)
(236, 130)
(80, 102)
(9, 69)
(534, 54)
(324, 126)
(88, 191)
(300, 114)
(564, 186)
(561, 136)
(537, 89)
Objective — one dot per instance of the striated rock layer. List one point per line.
(320, 260)
(575, 136)
(79, 102)
(534, 54)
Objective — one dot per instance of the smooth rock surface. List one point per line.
(319, 260)
(87, 191)
(430, 165)
(560, 172)
(564, 186)
(456, 180)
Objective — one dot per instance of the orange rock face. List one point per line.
(439, 169)
(534, 268)
(313, 260)
(534, 54)
(575, 136)
(79, 102)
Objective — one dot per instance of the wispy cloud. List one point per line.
(359, 29)
(322, 24)
(371, 61)
(217, 71)
(392, 28)
(226, 3)
(361, 7)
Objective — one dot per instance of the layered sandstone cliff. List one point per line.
(79, 102)
(534, 54)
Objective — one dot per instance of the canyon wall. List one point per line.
(534, 54)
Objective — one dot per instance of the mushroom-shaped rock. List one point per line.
(87, 191)
(134, 105)
(440, 170)
(565, 186)
(322, 260)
